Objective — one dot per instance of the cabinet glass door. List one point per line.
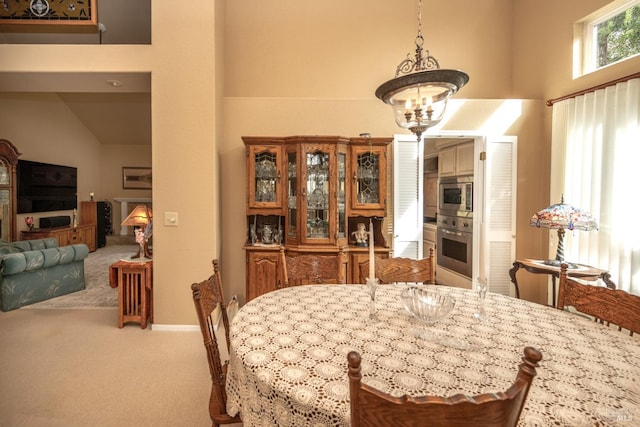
(341, 190)
(292, 190)
(317, 195)
(367, 183)
(368, 191)
(264, 179)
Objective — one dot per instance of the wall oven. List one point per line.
(456, 195)
(455, 243)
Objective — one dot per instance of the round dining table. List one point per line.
(288, 357)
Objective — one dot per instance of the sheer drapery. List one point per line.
(596, 165)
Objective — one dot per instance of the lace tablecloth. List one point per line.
(288, 364)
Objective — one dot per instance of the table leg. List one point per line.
(606, 277)
(512, 274)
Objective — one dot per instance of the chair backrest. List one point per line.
(391, 270)
(313, 269)
(604, 304)
(210, 306)
(373, 408)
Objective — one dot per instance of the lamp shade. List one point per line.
(562, 215)
(140, 216)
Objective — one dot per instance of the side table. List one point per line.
(580, 271)
(134, 280)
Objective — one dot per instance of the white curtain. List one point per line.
(596, 166)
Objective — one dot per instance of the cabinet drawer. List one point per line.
(429, 234)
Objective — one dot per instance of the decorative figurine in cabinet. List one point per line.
(305, 191)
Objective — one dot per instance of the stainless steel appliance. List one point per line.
(456, 196)
(455, 243)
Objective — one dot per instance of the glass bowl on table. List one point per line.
(429, 306)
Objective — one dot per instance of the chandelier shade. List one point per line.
(419, 91)
(420, 99)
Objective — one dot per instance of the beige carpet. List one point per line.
(61, 367)
(73, 367)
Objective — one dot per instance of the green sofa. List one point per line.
(36, 270)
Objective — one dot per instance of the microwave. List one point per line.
(456, 195)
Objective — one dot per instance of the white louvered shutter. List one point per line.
(407, 197)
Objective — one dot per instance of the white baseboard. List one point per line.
(182, 328)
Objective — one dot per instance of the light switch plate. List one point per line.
(171, 219)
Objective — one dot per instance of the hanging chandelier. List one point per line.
(419, 91)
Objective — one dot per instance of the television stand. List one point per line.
(66, 235)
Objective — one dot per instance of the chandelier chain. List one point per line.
(419, 91)
(419, 37)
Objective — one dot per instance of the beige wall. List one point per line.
(112, 159)
(291, 67)
(338, 49)
(44, 130)
(182, 66)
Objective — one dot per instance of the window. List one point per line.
(607, 36)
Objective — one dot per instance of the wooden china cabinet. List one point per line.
(308, 194)
(8, 190)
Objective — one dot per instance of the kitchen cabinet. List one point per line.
(308, 194)
(456, 160)
(430, 198)
(429, 238)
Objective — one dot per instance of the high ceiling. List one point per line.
(115, 107)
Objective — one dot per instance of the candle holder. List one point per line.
(372, 284)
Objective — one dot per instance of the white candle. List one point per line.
(372, 265)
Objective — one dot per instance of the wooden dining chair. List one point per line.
(210, 308)
(313, 269)
(373, 408)
(391, 270)
(605, 305)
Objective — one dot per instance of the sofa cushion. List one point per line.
(51, 256)
(9, 249)
(36, 259)
(13, 264)
(37, 244)
(81, 251)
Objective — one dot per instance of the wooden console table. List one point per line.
(580, 271)
(85, 233)
(134, 280)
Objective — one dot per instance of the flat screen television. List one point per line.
(43, 187)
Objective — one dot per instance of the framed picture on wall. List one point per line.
(136, 178)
